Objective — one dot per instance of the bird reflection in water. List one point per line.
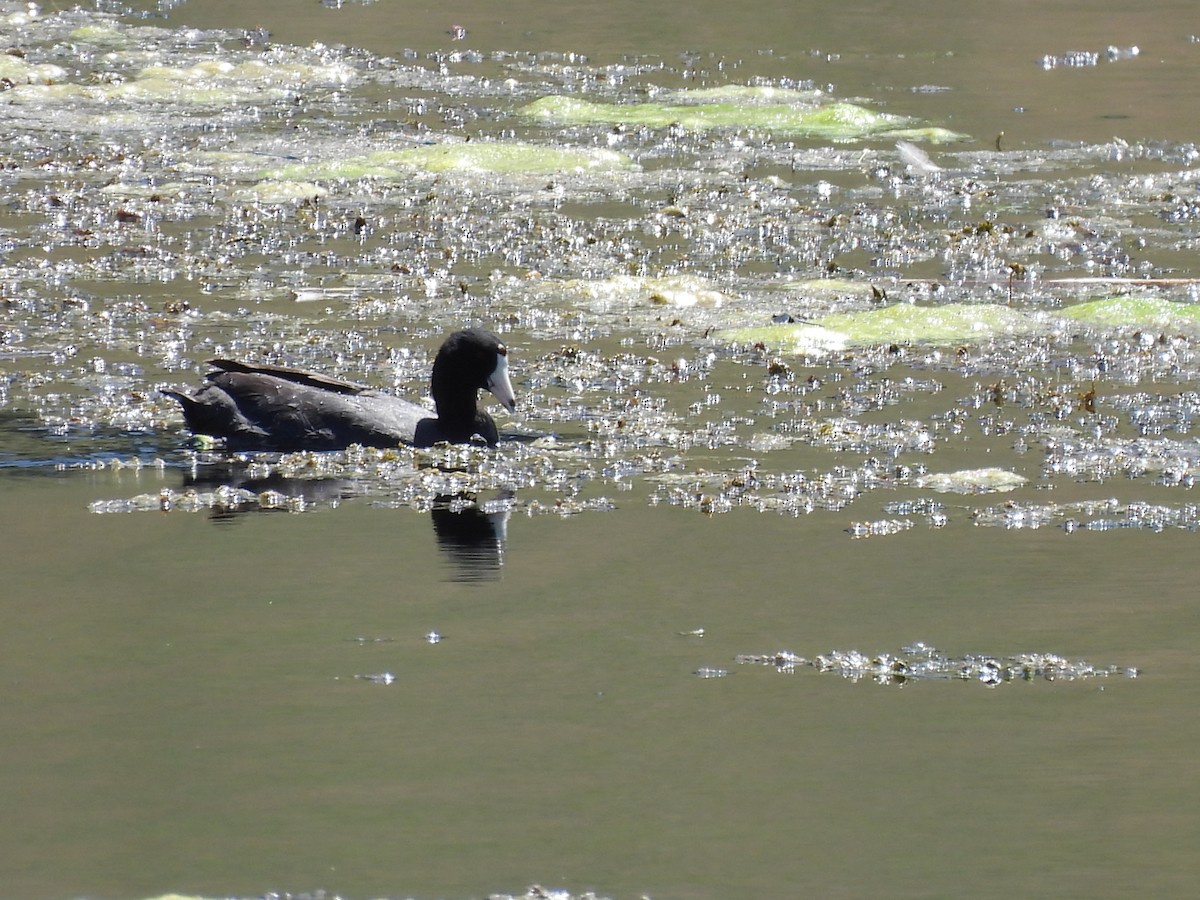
(471, 538)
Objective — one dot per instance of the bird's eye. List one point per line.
(502, 350)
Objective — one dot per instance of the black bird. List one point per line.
(277, 408)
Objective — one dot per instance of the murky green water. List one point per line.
(747, 353)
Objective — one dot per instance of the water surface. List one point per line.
(210, 696)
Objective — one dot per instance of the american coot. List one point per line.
(277, 408)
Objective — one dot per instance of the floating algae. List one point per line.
(828, 289)
(628, 291)
(747, 94)
(973, 481)
(500, 157)
(832, 121)
(208, 82)
(1134, 310)
(931, 324)
(16, 71)
(797, 339)
(898, 324)
(280, 192)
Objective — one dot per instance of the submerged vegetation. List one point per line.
(718, 297)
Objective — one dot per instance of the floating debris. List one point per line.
(226, 497)
(1073, 59)
(916, 159)
(923, 662)
(973, 481)
(384, 678)
(921, 506)
(881, 528)
(318, 894)
(1076, 59)
(537, 892)
(1091, 515)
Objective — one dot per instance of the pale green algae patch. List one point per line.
(500, 157)
(15, 71)
(1134, 310)
(833, 121)
(630, 297)
(798, 339)
(254, 73)
(902, 323)
(973, 481)
(675, 291)
(281, 192)
(956, 323)
(210, 82)
(828, 288)
(742, 94)
(108, 34)
(930, 324)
